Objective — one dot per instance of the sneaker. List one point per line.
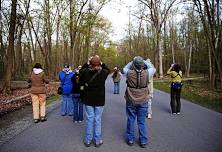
(143, 145)
(75, 121)
(87, 144)
(63, 114)
(174, 113)
(178, 113)
(79, 121)
(130, 143)
(36, 120)
(149, 116)
(99, 144)
(43, 119)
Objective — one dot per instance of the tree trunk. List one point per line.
(160, 58)
(189, 59)
(10, 50)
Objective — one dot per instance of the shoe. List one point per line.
(143, 145)
(36, 120)
(63, 114)
(130, 143)
(174, 113)
(79, 121)
(178, 113)
(70, 114)
(149, 116)
(87, 144)
(99, 144)
(75, 121)
(43, 119)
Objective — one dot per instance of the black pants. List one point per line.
(175, 100)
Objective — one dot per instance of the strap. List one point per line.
(93, 77)
(177, 75)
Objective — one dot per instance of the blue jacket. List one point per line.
(66, 82)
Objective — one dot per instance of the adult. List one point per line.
(38, 93)
(150, 86)
(93, 76)
(65, 78)
(138, 72)
(176, 74)
(116, 80)
(77, 102)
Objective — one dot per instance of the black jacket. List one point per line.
(94, 93)
(75, 84)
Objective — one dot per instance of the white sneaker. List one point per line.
(174, 113)
(178, 113)
(149, 116)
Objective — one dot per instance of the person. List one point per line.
(150, 86)
(37, 82)
(176, 74)
(65, 78)
(78, 105)
(138, 72)
(92, 77)
(116, 80)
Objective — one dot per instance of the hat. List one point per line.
(95, 61)
(138, 62)
(66, 65)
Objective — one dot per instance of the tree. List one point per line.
(10, 49)
(210, 14)
(158, 13)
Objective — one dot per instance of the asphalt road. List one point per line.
(197, 129)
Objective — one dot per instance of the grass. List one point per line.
(52, 99)
(197, 91)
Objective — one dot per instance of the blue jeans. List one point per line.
(138, 111)
(93, 123)
(116, 87)
(78, 108)
(67, 105)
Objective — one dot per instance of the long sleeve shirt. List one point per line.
(176, 77)
(150, 68)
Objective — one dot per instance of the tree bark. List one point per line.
(10, 50)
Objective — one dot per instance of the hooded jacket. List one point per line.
(66, 82)
(38, 80)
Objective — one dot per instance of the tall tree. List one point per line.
(158, 13)
(10, 49)
(210, 14)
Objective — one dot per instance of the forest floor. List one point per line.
(20, 97)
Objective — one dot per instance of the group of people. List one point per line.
(86, 86)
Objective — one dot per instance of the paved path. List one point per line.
(197, 129)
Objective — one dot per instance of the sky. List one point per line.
(117, 12)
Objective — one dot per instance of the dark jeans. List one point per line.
(175, 100)
(78, 108)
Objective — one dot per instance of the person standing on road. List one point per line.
(150, 86)
(92, 77)
(38, 93)
(138, 72)
(116, 80)
(65, 78)
(77, 102)
(176, 86)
